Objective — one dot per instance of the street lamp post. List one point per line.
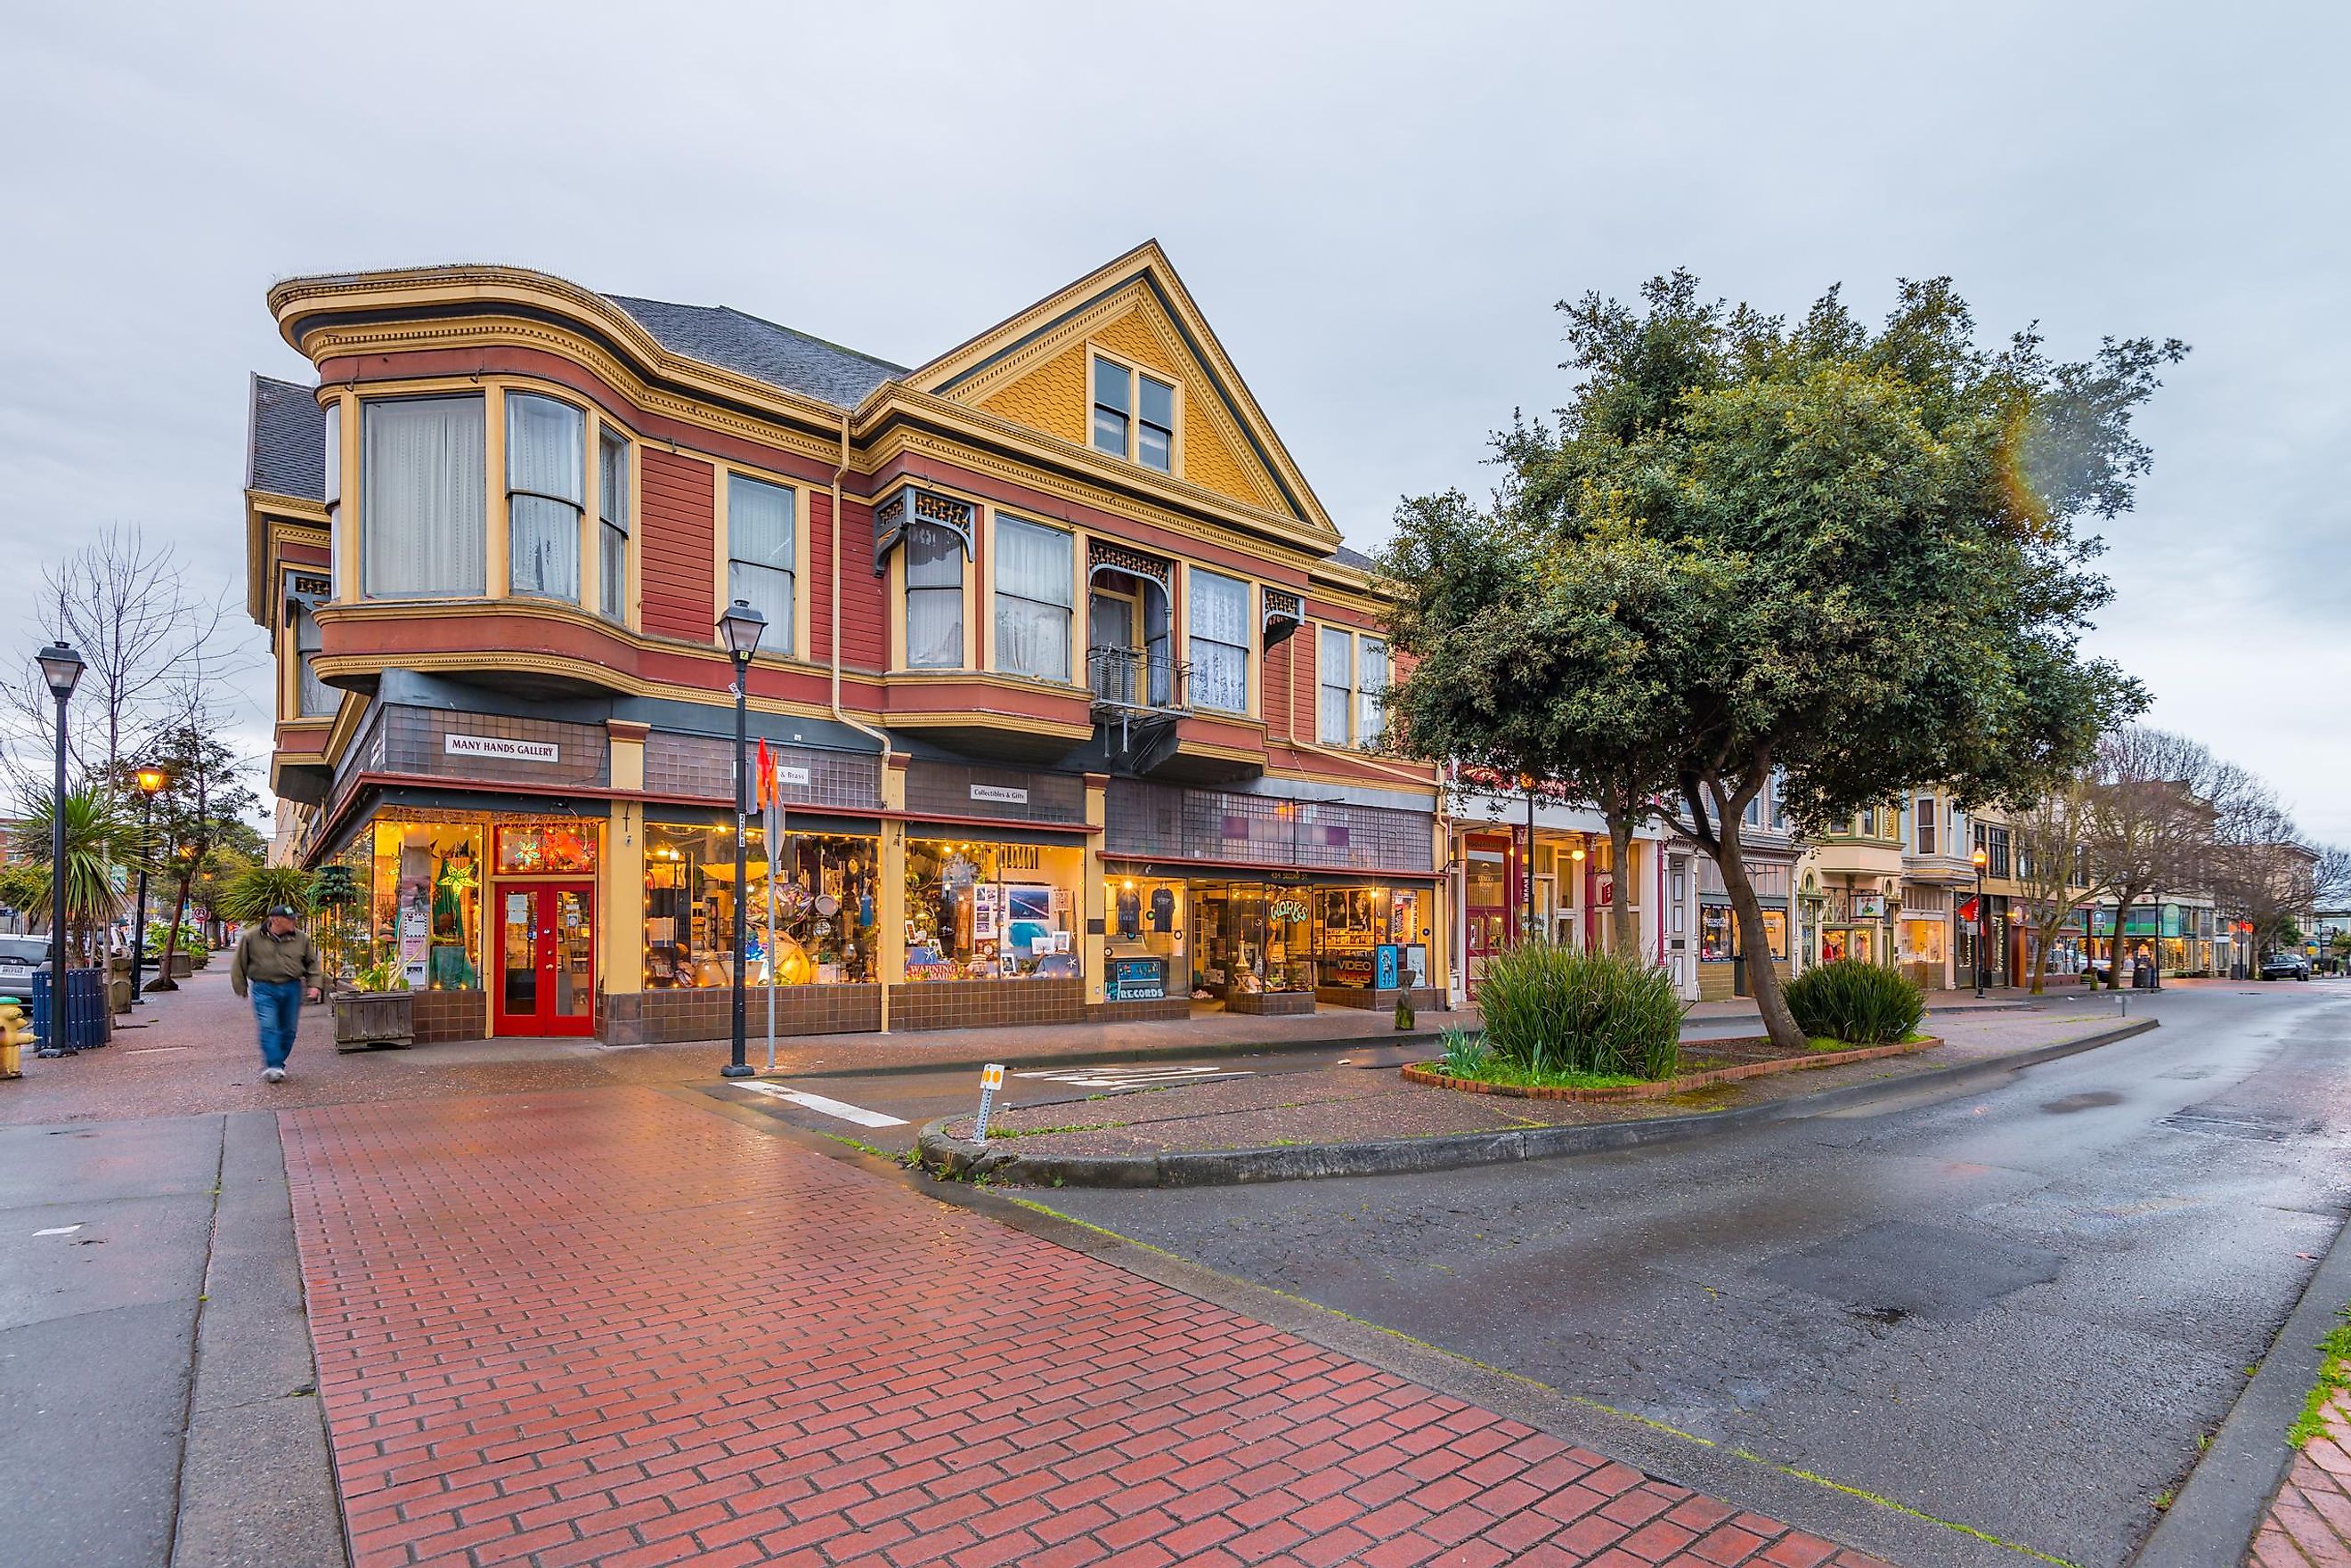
(151, 784)
(739, 631)
(1983, 935)
(61, 667)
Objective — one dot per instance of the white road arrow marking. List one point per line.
(824, 1107)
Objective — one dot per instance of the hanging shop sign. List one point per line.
(1004, 793)
(499, 746)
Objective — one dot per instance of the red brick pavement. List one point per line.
(605, 1327)
(2309, 1522)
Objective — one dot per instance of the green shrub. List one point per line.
(1465, 1054)
(1856, 1001)
(256, 890)
(1551, 1010)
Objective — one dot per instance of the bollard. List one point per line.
(991, 1079)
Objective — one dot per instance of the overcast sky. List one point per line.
(1376, 207)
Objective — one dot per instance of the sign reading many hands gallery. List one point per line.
(499, 745)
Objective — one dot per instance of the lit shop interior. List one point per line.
(984, 911)
(1215, 940)
(822, 893)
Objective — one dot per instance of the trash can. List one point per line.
(1738, 975)
(2142, 976)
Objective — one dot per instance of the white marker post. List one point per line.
(991, 1079)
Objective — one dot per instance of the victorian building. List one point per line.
(1067, 688)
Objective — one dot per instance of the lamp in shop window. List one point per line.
(739, 629)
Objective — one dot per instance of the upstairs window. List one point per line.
(1371, 691)
(612, 527)
(933, 598)
(1135, 416)
(1925, 817)
(762, 555)
(1351, 677)
(313, 698)
(1220, 631)
(1036, 599)
(331, 487)
(421, 507)
(546, 484)
(1335, 658)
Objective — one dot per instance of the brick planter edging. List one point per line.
(1682, 1085)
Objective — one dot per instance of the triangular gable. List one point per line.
(1032, 369)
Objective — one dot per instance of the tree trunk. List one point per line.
(1624, 929)
(1755, 945)
(2124, 899)
(164, 981)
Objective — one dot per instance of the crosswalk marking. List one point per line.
(824, 1107)
(1135, 1076)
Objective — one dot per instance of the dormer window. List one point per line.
(1134, 416)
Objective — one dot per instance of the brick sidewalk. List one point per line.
(2309, 1522)
(607, 1327)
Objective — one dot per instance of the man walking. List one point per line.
(277, 960)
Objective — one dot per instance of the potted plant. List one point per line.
(377, 1010)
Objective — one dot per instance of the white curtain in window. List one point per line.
(546, 481)
(933, 598)
(761, 554)
(1332, 655)
(1370, 690)
(1036, 599)
(1220, 639)
(422, 507)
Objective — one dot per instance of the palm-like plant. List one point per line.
(101, 834)
(256, 890)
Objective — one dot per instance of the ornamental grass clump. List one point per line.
(1552, 1010)
(1856, 1001)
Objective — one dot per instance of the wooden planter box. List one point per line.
(183, 965)
(364, 1020)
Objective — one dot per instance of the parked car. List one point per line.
(2285, 967)
(20, 957)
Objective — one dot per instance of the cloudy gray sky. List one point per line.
(1377, 206)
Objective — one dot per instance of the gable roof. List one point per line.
(287, 440)
(723, 336)
(1058, 315)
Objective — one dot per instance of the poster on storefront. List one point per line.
(987, 910)
(415, 928)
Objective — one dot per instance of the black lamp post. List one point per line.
(61, 667)
(738, 632)
(151, 784)
(1982, 924)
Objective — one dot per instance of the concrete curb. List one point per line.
(1232, 1167)
(2221, 1508)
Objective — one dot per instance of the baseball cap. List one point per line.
(285, 909)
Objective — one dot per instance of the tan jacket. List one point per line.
(266, 958)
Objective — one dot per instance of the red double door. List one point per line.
(547, 957)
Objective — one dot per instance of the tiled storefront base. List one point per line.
(439, 1016)
(985, 1004)
(1380, 1001)
(1270, 1004)
(658, 1016)
(1158, 1011)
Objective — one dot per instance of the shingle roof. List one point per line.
(289, 440)
(1354, 558)
(723, 336)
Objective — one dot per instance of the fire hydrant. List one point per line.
(16, 1034)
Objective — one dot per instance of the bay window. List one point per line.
(313, 698)
(933, 598)
(421, 498)
(1221, 629)
(1035, 599)
(612, 527)
(547, 483)
(762, 554)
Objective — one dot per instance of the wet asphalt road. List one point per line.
(2018, 1309)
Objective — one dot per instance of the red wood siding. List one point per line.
(678, 567)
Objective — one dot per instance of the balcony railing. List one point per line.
(1129, 680)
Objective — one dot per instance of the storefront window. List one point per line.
(424, 901)
(824, 888)
(1145, 947)
(1775, 932)
(547, 850)
(1923, 940)
(978, 911)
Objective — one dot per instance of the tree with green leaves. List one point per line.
(202, 810)
(1874, 532)
(99, 835)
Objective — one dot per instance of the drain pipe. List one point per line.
(882, 776)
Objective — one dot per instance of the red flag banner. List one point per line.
(767, 784)
(1967, 913)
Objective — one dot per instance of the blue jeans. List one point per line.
(277, 1009)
